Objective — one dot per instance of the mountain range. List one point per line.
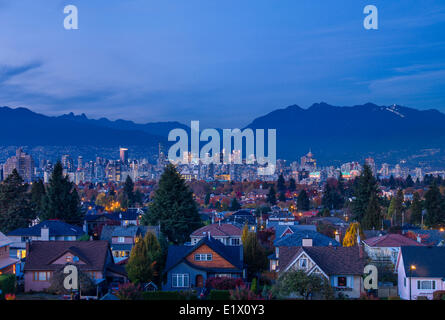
(333, 133)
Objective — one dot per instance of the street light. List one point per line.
(411, 268)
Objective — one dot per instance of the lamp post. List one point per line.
(411, 268)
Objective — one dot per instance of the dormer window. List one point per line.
(203, 257)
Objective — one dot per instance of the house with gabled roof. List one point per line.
(299, 238)
(189, 266)
(341, 266)
(45, 258)
(420, 271)
(228, 234)
(48, 230)
(123, 239)
(385, 248)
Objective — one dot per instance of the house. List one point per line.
(385, 248)
(189, 266)
(7, 263)
(95, 222)
(46, 257)
(428, 237)
(341, 266)
(228, 234)
(122, 239)
(48, 230)
(284, 230)
(420, 271)
(299, 238)
(241, 218)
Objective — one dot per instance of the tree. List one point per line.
(396, 210)
(292, 184)
(254, 254)
(409, 181)
(61, 200)
(332, 198)
(303, 202)
(272, 196)
(173, 207)
(350, 238)
(416, 209)
(128, 192)
(299, 282)
(15, 206)
(207, 199)
(37, 195)
(245, 233)
(373, 215)
(365, 187)
(144, 264)
(282, 197)
(234, 205)
(86, 283)
(433, 205)
(281, 184)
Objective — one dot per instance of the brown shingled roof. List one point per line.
(216, 230)
(391, 240)
(332, 260)
(42, 254)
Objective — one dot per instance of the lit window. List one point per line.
(342, 282)
(121, 239)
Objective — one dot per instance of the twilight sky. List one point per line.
(223, 62)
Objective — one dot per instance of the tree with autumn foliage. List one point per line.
(144, 264)
(350, 238)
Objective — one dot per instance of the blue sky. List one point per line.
(223, 62)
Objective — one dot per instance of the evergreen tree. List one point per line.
(416, 209)
(272, 196)
(373, 215)
(365, 187)
(303, 202)
(292, 185)
(207, 199)
(282, 197)
(61, 200)
(234, 205)
(173, 207)
(37, 195)
(281, 184)
(392, 182)
(15, 206)
(409, 181)
(433, 205)
(129, 195)
(396, 209)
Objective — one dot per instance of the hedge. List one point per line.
(7, 284)
(219, 295)
(439, 295)
(168, 295)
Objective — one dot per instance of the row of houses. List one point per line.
(216, 250)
